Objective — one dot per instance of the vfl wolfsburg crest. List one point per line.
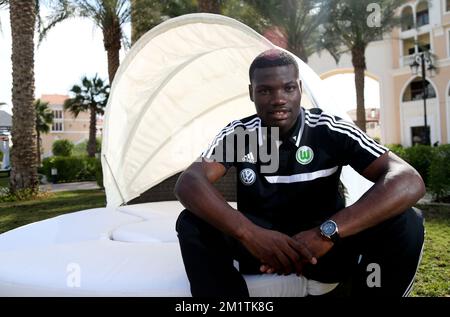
(247, 176)
(304, 155)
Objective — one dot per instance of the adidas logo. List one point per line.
(249, 158)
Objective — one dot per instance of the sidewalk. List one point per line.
(428, 198)
(69, 186)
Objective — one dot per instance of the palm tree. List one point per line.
(91, 96)
(146, 14)
(211, 6)
(298, 19)
(352, 25)
(44, 118)
(246, 13)
(109, 15)
(23, 154)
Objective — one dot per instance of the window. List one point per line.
(415, 90)
(57, 126)
(407, 19)
(408, 46)
(424, 48)
(448, 42)
(371, 125)
(447, 5)
(422, 17)
(58, 121)
(418, 135)
(57, 114)
(413, 45)
(424, 42)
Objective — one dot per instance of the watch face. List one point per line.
(328, 228)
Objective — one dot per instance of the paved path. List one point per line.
(428, 198)
(69, 186)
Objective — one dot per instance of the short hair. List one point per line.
(272, 58)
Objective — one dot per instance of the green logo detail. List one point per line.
(304, 155)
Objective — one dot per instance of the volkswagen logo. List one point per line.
(247, 176)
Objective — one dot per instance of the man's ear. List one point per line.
(250, 92)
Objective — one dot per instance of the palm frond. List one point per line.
(60, 11)
(93, 93)
(44, 116)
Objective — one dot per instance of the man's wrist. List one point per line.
(244, 228)
(321, 237)
(329, 230)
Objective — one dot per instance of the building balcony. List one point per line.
(405, 61)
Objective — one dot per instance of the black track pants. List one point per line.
(381, 261)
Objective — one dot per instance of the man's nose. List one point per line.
(279, 98)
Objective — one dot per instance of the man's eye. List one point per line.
(264, 91)
(290, 88)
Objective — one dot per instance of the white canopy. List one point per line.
(177, 87)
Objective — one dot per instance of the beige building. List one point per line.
(427, 27)
(65, 125)
(372, 121)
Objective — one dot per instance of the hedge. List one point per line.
(62, 148)
(420, 157)
(432, 163)
(439, 173)
(70, 169)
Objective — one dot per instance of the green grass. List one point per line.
(17, 214)
(4, 181)
(433, 277)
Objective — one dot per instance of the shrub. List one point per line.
(62, 148)
(70, 169)
(80, 149)
(21, 195)
(420, 157)
(99, 173)
(398, 149)
(440, 172)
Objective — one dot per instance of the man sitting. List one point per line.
(291, 217)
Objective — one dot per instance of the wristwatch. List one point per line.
(329, 230)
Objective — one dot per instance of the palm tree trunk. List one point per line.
(134, 21)
(359, 65)
(111, 41)
(91, 147)
(38, 142)
(298, 50)
(23, 154)
(211, 6)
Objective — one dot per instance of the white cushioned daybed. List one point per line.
(179, 84)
